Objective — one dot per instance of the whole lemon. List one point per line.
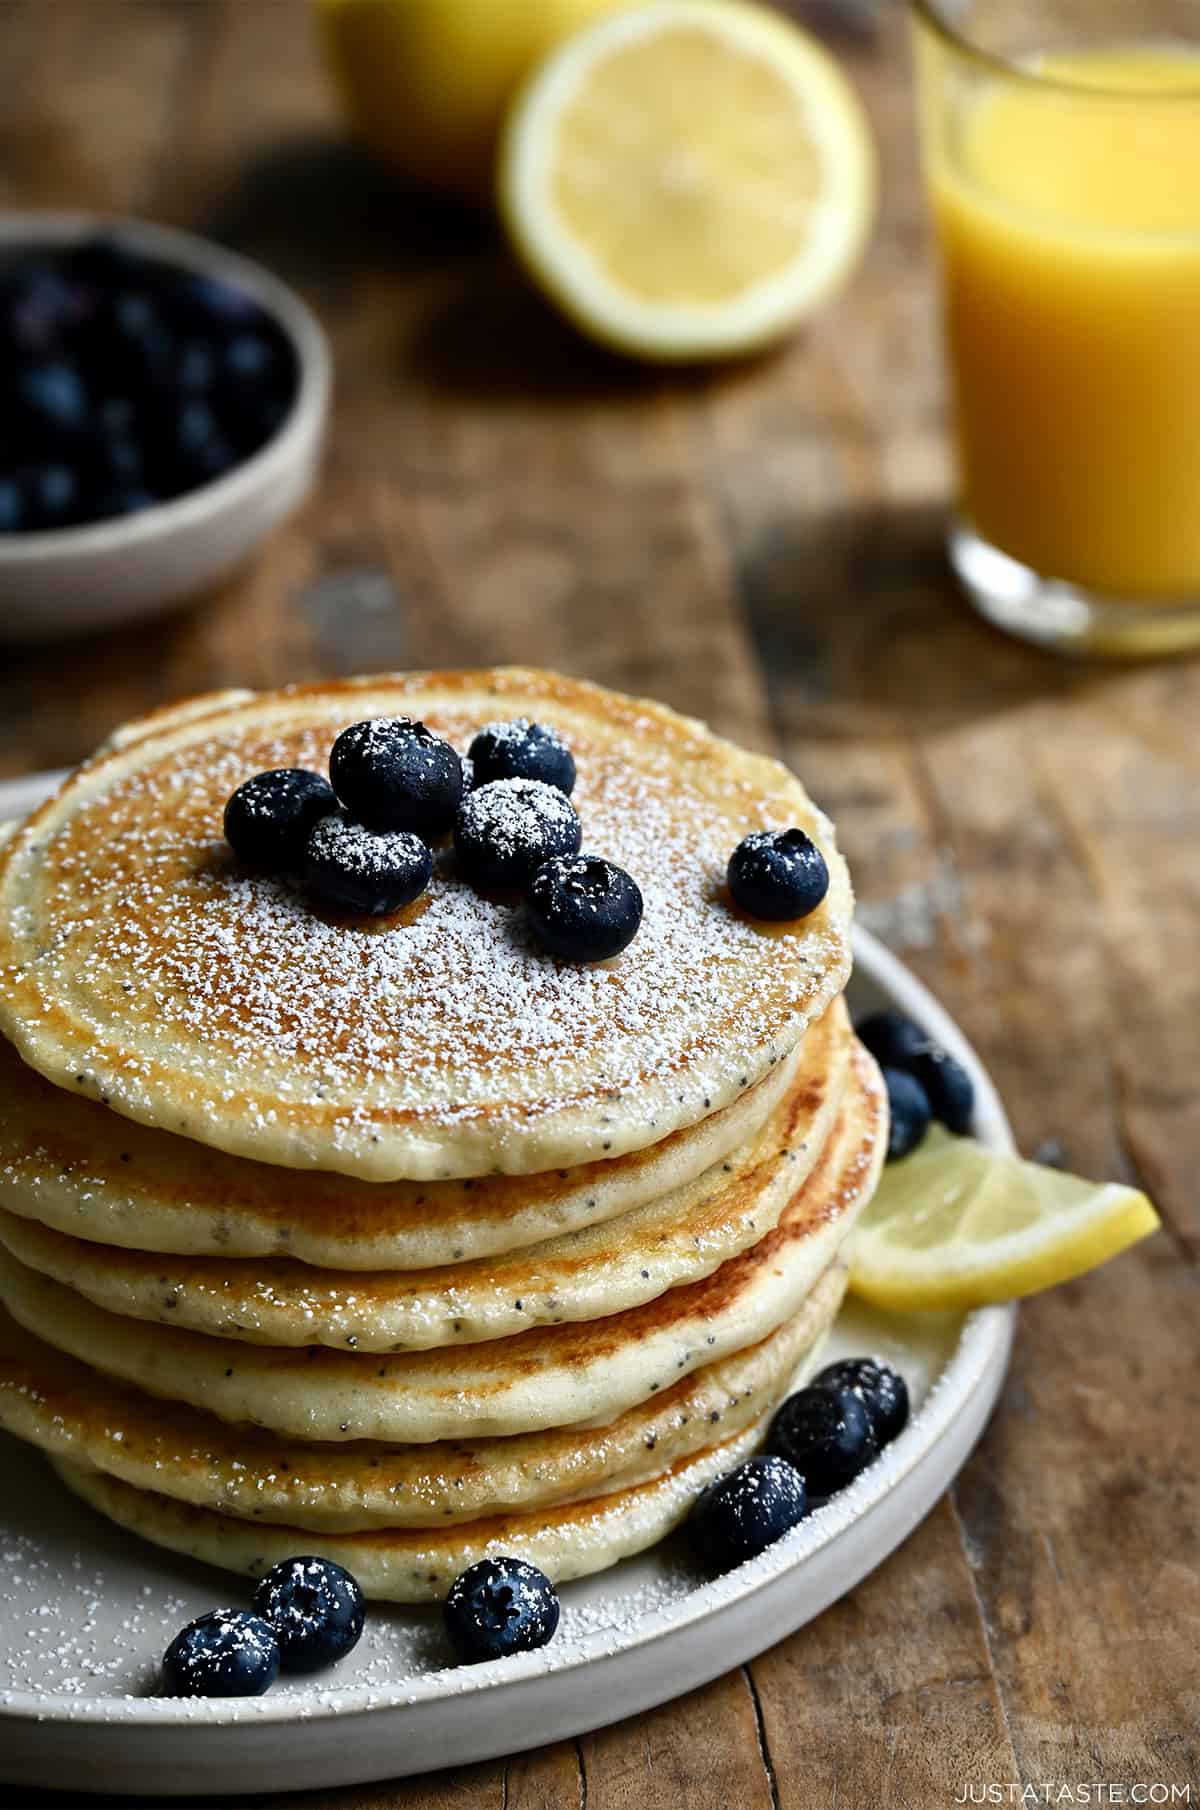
(426, 83)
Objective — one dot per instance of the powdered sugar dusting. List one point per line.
(358, 850)
(516, 816)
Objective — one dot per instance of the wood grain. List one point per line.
(761, 547)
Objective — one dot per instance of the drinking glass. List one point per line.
(1061, 145)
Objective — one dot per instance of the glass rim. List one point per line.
(928, 12)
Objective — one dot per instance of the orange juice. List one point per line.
(1070, 234)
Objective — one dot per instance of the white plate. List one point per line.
(87, 1609)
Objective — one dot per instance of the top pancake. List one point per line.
(139, 965)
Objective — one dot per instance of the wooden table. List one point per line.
(761, 547)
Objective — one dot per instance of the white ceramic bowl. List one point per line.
(71, 580)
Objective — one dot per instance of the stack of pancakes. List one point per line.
(400, 1241)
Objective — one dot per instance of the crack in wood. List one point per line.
(760, 1729)
(985, 1633)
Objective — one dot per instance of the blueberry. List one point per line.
(522, 750)
(118, 500)
(894, 1040)
(739, 1515)
(882, 1391)
(497, 1607)
(948, 1088)
(778, 874)
(120, 461)
(200, 447)
(195, 367)
(40, 309)
(316, 1609)
(584, 909)
(52, 400)
(506, 830)
(127, 342)
(356, 869)
(51, 496)
(249, 359)
(209, 303)
(827, 1434)
(229, 1653)
(395, 774)
(107, 263)
(12, 506)
(909, 1112)
(269, 817)
(115, 417)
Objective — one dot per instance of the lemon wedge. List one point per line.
(956, 1225)
(688, 178)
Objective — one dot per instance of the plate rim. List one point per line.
(982, 1346)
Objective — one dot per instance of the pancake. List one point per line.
(140, 966)
(93, 1175)
(547, 1377)
(587, 1275)
(416, 1565)
(76, 1413)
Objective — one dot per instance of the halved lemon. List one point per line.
(688, 178)
(955, 1225)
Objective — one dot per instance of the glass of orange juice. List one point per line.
(1062, 146)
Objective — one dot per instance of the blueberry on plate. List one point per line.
(882, 1391)
(948, 1088)
(777, 874)
(908, 1111)
(316, 1609)
(506, 830)
(894, 1040)
(522, 750)
(827, 1434)
(230, 1653)
(269, 817)
(395, 774)
(584, 909)
(739, 1515)
(368, 872)
(497, 1607)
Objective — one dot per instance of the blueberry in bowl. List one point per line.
(164, 403)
